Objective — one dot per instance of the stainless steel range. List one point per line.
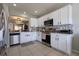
(46, 39)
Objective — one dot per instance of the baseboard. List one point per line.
(15, 44)
(76, 51)
(60, 51)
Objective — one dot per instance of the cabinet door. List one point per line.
(54, 41)
(28, 37)
(65, 15)
(33, 36)
(62, 43)
(22, 38)
(34, 22)
(25, 37)
(56, 17)
(39, 36)
(40, 22)
(69, 44)
(59, 17)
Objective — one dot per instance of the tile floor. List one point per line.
(36, 49)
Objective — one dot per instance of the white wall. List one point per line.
(75, 17)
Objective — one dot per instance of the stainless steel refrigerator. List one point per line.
(2, 22)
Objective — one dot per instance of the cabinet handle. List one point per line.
(56, 35)
(60, 22)
(55, 38)
(58, 39)
(27, 35)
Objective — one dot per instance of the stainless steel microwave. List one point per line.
(48, 22)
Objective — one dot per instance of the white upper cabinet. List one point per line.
(33, 22)
(66, 15)
(40, 22)
(56, 17)
(60, 16)
(39, 36)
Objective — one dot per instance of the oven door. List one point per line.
(46, 39)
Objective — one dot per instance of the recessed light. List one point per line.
(24, 12)
(14, 4)
(36, 11)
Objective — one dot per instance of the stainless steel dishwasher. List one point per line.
(14, 38)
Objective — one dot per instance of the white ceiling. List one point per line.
(29, 8)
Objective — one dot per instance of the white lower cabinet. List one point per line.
(27, 37)
(54, 41)
(24, 37)
(61, 42)
(39, 36)
(69, 44)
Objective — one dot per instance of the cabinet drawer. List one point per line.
(24, 37)
(54, 40)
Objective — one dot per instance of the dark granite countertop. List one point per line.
(63, 31)
(14, 33)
